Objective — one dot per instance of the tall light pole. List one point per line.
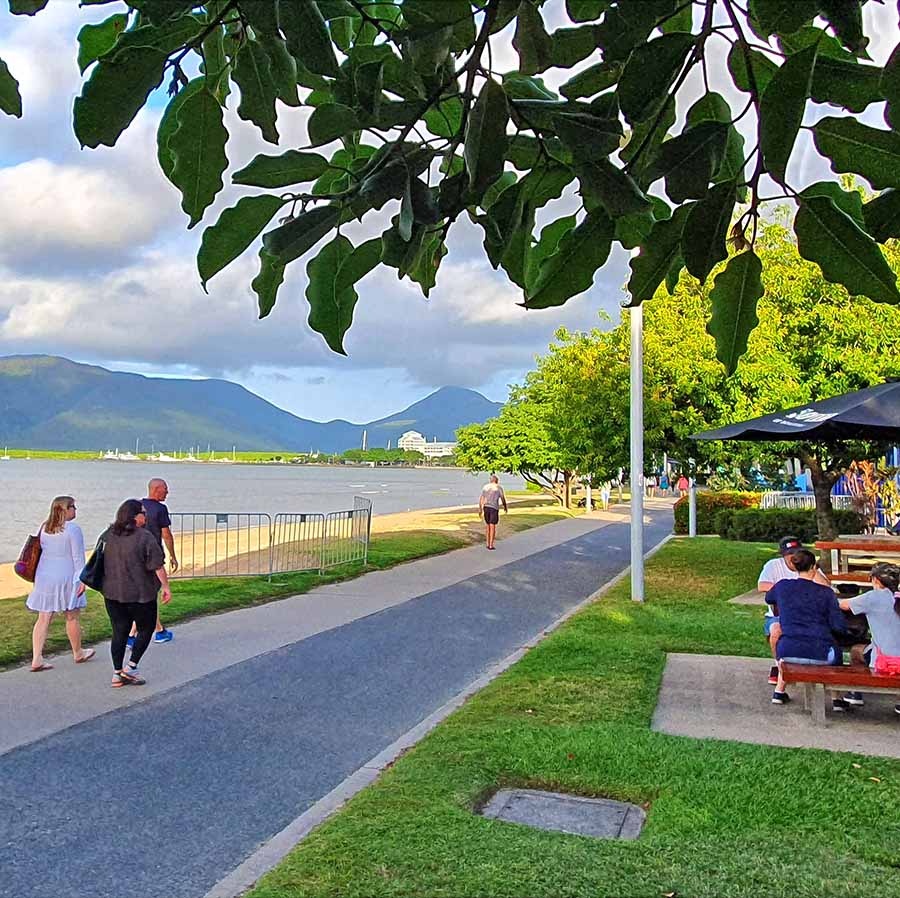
(637, 453)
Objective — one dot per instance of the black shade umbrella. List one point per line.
(870, 414)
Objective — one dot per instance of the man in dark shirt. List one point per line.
(159, 524)
(809, 615)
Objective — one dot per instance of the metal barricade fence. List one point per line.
(800, 500)
(240, 544)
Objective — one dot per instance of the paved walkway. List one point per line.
(162, 791)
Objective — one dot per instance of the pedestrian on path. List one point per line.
(492, 497)
(57, 589)
(605, 492)
(159, 524)
(133, 571)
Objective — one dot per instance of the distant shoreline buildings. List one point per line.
(413, 441)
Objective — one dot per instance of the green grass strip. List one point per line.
(724, 818)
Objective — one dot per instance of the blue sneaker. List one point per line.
(130, 641)
(163, 636)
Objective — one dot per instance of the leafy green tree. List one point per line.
(408, 110)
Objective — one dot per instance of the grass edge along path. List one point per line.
(724, 818)
(199, 597)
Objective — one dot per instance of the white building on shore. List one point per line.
(413, 441)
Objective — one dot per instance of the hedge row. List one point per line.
(758, 525)
(708, 506)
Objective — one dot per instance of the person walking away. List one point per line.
(159, 525)
(492, 496)
(57, 589)
(605, 492)
(664, 484)
(133, 571)
(683, 485)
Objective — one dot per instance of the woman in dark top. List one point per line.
(809, 615)
(133, 570)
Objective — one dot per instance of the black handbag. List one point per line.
(92, 573)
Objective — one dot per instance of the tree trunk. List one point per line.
(822, 482)
(567, 487)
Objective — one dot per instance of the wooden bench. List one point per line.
(820, 679)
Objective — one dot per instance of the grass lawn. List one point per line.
(724, 819)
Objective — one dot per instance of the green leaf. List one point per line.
(572, 45)
(95, 40)
(734, 296)
(849, 202)
(445, 118)
(882, 216)
(114, 94)
(359, 263)
(215, 63)
(854, 147)
(261, 16)
(168, 36)
(283, 68)
(845, 17)
(588, 137)
(531, 40)
(486, 140)
(26, 7)
(427, 260)
(456, 13)
(159, 12)
(849, 84)
(683, 20)
(169, 122)
(515, 254)
(781, 110)
(265, 285)
(546, 246)
(329, 122)
(592, 80)
(649, 74)
(292, 167)
(673, 275)
(399, 254)
(307, 36)
(690, 161)
(10, 98)
(647, 139)
(405, 222)
(571, 268)
(628, 25)
(428, 49)
(294, 238)
(237, 227)
(526, 87)
(253, 75)
(890, 88)
(760, 67)
(663, 246)
(198, 149)
(330, 308)
(368, 79)
(713, 107)
(845, 253)
(632, 230)
(706, 230)
(782, 16)
(586, 10)
(610, 186)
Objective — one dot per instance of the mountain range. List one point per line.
(48, 402)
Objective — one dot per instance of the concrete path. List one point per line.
(727, 697)
(162, 791)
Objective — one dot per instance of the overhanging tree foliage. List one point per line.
(409, 111)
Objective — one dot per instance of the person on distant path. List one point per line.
(605, 492)
(133, 570)
(492, 497)
(159, 524)
(57, 589)
(683, 485)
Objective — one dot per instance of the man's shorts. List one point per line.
(491, 515)
(767, 624)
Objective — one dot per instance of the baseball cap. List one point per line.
(789, 544)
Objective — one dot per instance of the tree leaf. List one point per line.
(114, 94)
(359, 263)
(531, 40)
(265, 285)
(330, 308)
(632, 230)
(782, 16)
(169, 122)
(215, 63)
(610, 186)
(854, 147)
(10, 98)
(890, 88)
(585, 10)
(294, 238)
(734, 296)
(252, 73)
(689, 162)
(95, 40)
(713, 107)
(849, 202)
(845, 253)
(547, 244)
(486, 141)
(647, 139)
(427, 260)
(329, 122)
(198, 149)
(445, 118)
(663, 246)
(760, 66)
(781, 109)
(515, 255)
(283, 68)
(592, 80)
(261, 16)
(26, 7)
(292, 167)
(849, 84)
(882, 216)
(237, 227)
(570, 46)
(307, 36)
(405, 222)
(571, 269)
(649, 74)
(706, 230)
(845, 17)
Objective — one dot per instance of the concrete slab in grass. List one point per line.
(727, 697)
(572, 814)
(753, 597)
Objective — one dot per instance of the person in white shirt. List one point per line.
(492, 497)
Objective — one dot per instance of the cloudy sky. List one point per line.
(96, 264)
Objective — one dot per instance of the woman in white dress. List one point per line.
(57, 589)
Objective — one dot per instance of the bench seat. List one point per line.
(819, 679)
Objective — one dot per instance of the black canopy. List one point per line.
(870, 414)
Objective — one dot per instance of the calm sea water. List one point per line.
(99, 487)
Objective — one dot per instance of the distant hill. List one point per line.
(47, 402)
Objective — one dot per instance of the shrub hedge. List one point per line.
(758, 525)
(708, 505)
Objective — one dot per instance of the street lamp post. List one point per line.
(637, 454)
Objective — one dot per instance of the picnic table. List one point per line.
(847, 551)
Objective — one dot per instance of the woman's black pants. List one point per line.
(121, 616)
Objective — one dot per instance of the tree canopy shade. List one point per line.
(409, 110)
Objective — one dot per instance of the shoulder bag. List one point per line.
(92, 573)
(26, 566)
